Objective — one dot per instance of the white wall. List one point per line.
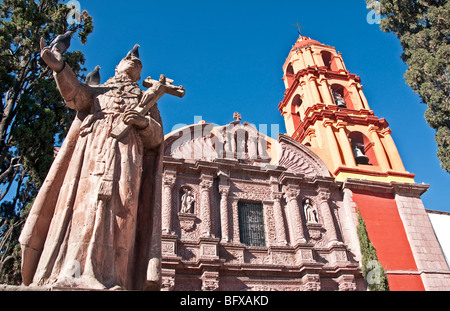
(441, 226)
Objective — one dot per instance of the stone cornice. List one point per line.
(316, 72)
(392, 187)
(321, 112)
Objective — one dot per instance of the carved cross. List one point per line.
(156, 89)
(237, 116)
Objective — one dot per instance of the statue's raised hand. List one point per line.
(132, 117)
(52, 59)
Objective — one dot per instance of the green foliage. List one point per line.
(423, 27)
(34, 117)
(373, 272)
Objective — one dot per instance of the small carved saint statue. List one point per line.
(310, 212)
(187, 202)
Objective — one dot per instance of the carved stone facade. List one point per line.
(227, 167)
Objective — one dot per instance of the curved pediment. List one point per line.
(298, 159)
(242, 141)
(207, 142)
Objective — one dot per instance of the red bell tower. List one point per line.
(324, 108)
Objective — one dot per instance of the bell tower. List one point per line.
(324, 108)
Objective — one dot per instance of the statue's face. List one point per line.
(130, 66)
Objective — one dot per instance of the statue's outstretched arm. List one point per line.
(76, 95)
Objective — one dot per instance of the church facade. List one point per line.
(244, 211)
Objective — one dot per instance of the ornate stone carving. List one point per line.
(210, 281)
(311, 282)
(298, 159)
(168, 280)
(187, 221)
(347, 282)
(315, 231)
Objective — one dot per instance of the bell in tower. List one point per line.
(339, 100)
(359, 155)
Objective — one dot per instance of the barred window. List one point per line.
(251, 224)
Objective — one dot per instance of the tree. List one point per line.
(34, 117)
(373, 272)
(423, 27)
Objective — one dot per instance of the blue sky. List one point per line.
(229, 55)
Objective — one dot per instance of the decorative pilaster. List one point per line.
(168, 182)
(379, 149)
(324, 196)
(332, 143)
(314, 90)
(224, 219)
(280, 230)
(394, 156)
(205, 205)
(235, 211)
(325, 91)
(252, 144)
(345, 144)
(292, 194)
(363, 97)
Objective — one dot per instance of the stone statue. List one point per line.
(96, 222)
(310, 212)
(187, 202)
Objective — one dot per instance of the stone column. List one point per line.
(308, 56)
(325, 91)
(252, 145)
(167, 201)
(349, 158)
(205, 206)
(224, 221)
(325, 210)
(358, 102)
(363, 97)
(262, 147)
(396, 160)
(280, 230)
(379, 149)
(314, 90)
(308, 98)
(235, 210)
(301, 61)
(332, 143)
(292, 194)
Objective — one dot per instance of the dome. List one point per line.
(304, 41)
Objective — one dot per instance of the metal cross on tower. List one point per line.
(298, 27)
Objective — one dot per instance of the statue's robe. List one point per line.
(96, 222)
